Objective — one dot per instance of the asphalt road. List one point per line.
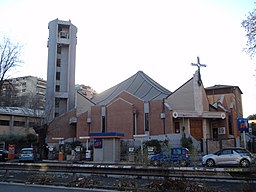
(11, 187)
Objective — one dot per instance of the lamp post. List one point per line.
(89, 121)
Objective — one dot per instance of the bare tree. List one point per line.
(9, 59)
(249, 24)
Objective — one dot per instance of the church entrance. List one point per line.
(196, 129)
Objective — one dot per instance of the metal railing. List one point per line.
(193, 173)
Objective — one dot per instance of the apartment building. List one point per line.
(27, 92)
(87, 91)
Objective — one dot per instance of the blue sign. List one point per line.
(98, 143)
(242, 124)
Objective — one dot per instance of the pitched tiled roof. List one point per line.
(139, 85)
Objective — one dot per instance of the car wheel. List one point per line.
(155, 163)
(210, 163)
(244, 163)
(183, 163)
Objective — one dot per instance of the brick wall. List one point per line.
(82, 128)
(120, 117)
(121, 114)
(60, 127)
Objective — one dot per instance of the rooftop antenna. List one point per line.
(198, 64)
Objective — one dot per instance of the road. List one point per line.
(11, 187)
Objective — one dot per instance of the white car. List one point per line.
(229, 157)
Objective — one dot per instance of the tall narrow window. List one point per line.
(57, 75)
(57, 88)
(177, 127)
(146, 122)
(134, 124)
(58, 62)
(59, 49)
(103, 123)
(230, 125)
(146, 116)
(57, 102)
(103, 119)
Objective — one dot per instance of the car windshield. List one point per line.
(26, 152)
(176, 151)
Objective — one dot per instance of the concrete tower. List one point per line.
(60, 90)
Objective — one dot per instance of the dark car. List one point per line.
(229, 157)
(3, 155)
(177, 156)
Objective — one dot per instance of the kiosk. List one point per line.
(106, 146)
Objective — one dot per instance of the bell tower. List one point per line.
(60, 91)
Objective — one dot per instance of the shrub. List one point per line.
(187, 142)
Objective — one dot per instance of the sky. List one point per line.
(118, 38)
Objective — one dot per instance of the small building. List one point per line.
(229, 99)
(19, 121)
(106, 146)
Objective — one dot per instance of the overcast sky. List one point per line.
(117, 38)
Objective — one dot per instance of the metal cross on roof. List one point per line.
(198, 64)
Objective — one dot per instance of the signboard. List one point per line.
(11, 151)
(221, 130)
(242, 124)
(97, 143)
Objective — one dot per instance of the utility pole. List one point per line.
(198, 64)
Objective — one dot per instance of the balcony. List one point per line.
(63, 37)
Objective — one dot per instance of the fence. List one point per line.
(214, 145)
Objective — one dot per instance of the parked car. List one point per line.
(27, 155)
(229, 157)
(3, 155)
(178, 156)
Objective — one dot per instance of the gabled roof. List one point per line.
(182, 85)
(139, 85)
(189, 97)
(83, 103)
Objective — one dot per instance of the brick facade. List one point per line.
(61, 127)
(125, 114)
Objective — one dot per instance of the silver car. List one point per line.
(27, 154)
(229, 156)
